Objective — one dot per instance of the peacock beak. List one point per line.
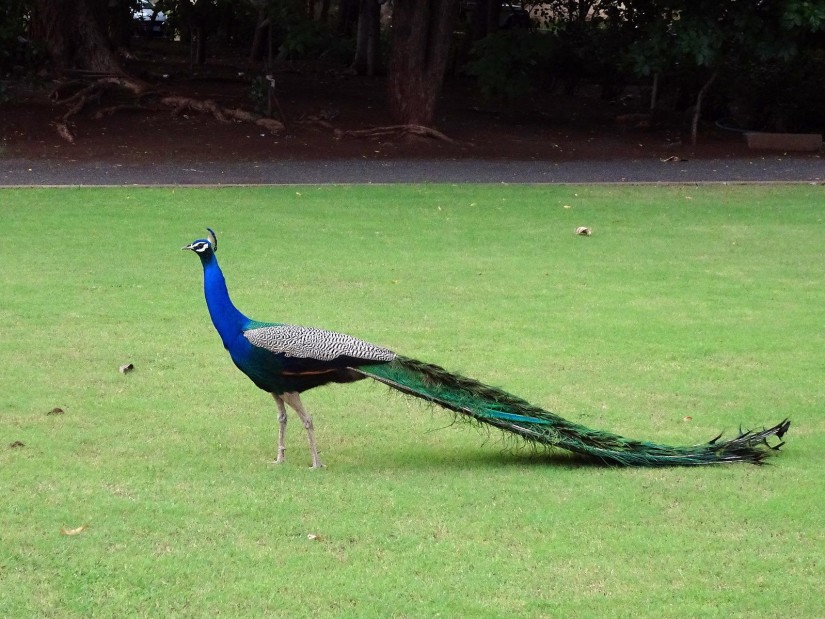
(187, 247)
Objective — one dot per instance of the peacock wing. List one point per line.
(310, 343)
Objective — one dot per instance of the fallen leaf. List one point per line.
(584, 231)
(312, 537)
(17, 444)
(126, 368)
(56, 411)
(77, 531)
(688, 418)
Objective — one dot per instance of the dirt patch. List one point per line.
(551, 127)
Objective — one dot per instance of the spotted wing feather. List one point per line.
(311, 343)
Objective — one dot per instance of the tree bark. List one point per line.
(421, 38)
(347, 17)
(256, 51)
(697, 111)
(324, 18)
(73, 35)
(367, 39)
(485, 18)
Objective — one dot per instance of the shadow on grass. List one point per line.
(411, 458)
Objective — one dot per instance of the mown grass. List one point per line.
(688, 311)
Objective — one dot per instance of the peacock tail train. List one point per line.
(497, 408)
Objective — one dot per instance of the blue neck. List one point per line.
(229, 322)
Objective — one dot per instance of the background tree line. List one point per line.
(760, 64)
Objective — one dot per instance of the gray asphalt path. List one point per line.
(763, 168)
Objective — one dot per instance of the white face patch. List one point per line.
(200, 247)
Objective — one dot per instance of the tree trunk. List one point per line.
(367, 40)
(421, 37)
(697, 111)
(257, 48)
(73, 36)
(654, 92)
(197, 48)
(347, 17)
(484, 18)
(324, 18)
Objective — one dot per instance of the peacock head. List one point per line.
(205, 248)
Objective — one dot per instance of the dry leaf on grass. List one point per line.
(584, 231)
(126, 368)
(75, 531)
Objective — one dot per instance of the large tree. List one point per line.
(421, 39)
(74, 33)
(368, 38)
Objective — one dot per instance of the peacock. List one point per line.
(286, 360)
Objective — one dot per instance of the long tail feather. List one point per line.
(507, 412)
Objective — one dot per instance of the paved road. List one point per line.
(767, 168)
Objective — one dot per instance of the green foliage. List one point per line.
(306, 38)
(779, 94)
(808, 15)
(513, 64)
(689, 311)
(768, 54)
(228, 22)
(17, 52)
(508, 64)
(300, 36)
(259, 93)
(708, 33)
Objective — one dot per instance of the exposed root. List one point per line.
(275, 127)
(78, 95)
(315, 121)
(81, 103)
(114, 109)
(182, 104)
(222, 114)
(64, 132)
(396, 131)
(389, 131)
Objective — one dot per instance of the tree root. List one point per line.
(317, 122)
(126, 107)
(392, 131)
(83, 96)
(222, 114)
(63, 131)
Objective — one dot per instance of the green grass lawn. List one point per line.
(689, 311)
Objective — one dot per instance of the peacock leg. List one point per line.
(294, 400)
(281, 429)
